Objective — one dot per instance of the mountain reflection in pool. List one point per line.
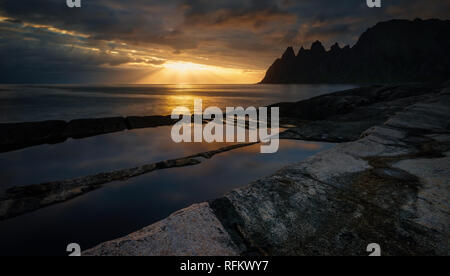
(120, 208)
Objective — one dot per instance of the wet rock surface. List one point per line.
(136, 122)
(191, 231)
(20, 135)
(16, 136)
(343, 116)
(336, 117)
(90, 127)
(389, 187)
(15, 201)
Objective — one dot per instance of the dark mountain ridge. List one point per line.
(390, 52)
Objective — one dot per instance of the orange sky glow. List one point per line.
(181, 72)
(160, 70)
(178, 41)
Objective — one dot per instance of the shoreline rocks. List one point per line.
(343, 116)
(136, 122)
(15, 201)
(390, 187)
(191, 231)
(90, 127)
(335, 117)
(15, 136)
(20, 135)
(386, 183)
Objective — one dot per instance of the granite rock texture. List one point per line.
(191, 231)
(343, 116)
(390, 187)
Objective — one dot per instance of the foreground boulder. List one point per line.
(390, 187)
(192, 231)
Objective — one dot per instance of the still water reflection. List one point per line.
(103, 153)
(123, 207)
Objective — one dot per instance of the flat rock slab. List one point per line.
(343, 116)
(191, 231)
(16, 136)
(18, 200)
(433, 205)
(19, 135)
(135, 122)
(90, 127)
(390, 187)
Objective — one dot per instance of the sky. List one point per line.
(177, 41)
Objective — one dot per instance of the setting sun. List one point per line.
(181, 72)
(186, 66)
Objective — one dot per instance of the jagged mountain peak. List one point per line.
(390, 52)
(317, 47)
(335, 47)
(301, 52)
(289, 53)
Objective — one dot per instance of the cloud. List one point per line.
(254, 20)
(39, 54)
(106, 35)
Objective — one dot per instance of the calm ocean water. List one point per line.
(122, 207)
(126, 206)
(37, 103)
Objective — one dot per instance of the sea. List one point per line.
(122, 207)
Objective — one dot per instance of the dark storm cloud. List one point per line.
(253, 15)
(245, 33)
(132, 21)
(30, 54)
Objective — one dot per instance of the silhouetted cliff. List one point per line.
(392, 51)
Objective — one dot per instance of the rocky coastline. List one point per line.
(389, 186)
(15, 201)
(14, 136)
(387, 181)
